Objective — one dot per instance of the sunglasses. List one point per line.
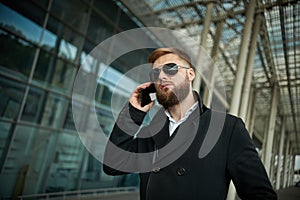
(170, 69)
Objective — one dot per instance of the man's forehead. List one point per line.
(167, 58)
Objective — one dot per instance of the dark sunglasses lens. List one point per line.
(170, 69)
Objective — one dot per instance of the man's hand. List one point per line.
(134, 98)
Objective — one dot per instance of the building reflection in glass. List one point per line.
(42, 44)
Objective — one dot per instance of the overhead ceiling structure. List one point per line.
(277, 56)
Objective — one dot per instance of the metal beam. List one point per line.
(286, 60)
(280, 154)
(225, 15)
(271, 128)
(242, 59)
(173, 8)
(249, 69)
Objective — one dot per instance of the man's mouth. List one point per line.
(164, 86)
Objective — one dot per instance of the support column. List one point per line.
(273, 159)
(250, 120)
(288, 168)
(250, 108)
(209, 89)
(206, 25)
(236, 96)
(271, 128)
(248, 76)
(280, 155)
(265, 139)
(286, 160)
(291, 167)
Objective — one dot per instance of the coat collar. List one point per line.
(159, 126)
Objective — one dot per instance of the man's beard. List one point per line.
(169, 98)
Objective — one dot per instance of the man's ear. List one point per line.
(191, 74)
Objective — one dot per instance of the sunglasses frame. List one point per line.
(166, 68)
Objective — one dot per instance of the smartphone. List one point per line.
(145, 97)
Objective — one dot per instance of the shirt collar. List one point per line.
(187, 114)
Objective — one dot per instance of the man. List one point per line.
(174, 136)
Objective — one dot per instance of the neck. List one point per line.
(178, 111)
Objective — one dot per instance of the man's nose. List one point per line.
(162, 75)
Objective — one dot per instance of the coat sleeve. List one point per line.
(245, 167)
(122, 144)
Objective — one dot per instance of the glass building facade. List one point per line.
(42, 44)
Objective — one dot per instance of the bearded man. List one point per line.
(165, 152)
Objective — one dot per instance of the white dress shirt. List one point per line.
(173, 124)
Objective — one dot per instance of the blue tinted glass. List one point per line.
(19, 25)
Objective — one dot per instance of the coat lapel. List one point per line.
(171, 150)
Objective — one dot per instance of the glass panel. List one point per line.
(54, 110)
(49, 41)
(34, 105)
(61, 40)
(105, 119)
(6, 187)
(69, 121)
(99, 29)
(4, 131)
(43, 3)
(27, 155)
(64, 171)
(67, 50)
(25, 20)
(107, 8)
(73, 13)
(131, 59)
(37, 149)
(16, 55)
(64, 75)
(54, 71)
(126, 23)
(88, 46)
(22, 147)
(44, 108)
(11, 94)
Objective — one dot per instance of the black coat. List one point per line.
(184, 175)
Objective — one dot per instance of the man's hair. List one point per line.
(163, 51)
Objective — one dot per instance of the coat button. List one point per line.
(156, 170)
(180, 171)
